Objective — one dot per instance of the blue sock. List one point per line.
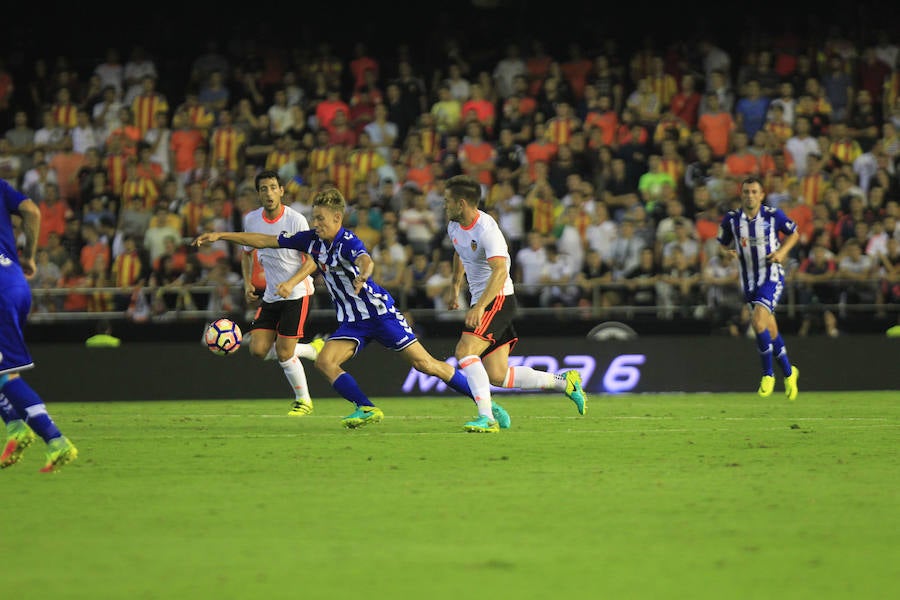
(459, 383)
(764, 344)
(347, 387)
(7, 412)
(27, 402)
(781, 356)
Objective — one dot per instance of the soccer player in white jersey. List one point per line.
(752, 233)
(365, 311)
(278, 323)
(482, 255)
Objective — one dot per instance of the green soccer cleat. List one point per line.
(574, 391)
(60, 451)
(18, 437)
(363, 415)
(501, 416)
(766, 385)
(790, 384)
(482, 425)
(301, 408)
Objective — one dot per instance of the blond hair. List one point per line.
(331, 198)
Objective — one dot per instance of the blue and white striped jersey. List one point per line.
(754, 239)
(336, 262)
(10, 271)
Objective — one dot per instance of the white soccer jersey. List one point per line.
(478, 243)
(279, 263)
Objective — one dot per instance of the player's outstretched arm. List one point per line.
(254, 240)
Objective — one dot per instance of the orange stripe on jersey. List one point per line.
(489, 316)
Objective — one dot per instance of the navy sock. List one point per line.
(27, 402)
(7, 412)
(347, 387)
(459, 383)
(764, 344)
(781, 355)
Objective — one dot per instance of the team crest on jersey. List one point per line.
(744, 242)
(474, 245)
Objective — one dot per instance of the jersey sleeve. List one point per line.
(352, 247)
(784, 223)
(494, 243)
(299, 240)
(12, 197)
(725, 236)
(246, 227)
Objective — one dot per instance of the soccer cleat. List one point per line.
(574, 391)
(790, 384)
(501, 416)
(482, 425)
(766, 385)
(60, 451)
(18, 437)
(301, 408)
(318, 343)
(363, 415)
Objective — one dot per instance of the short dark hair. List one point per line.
(266, 174)
(466, 188)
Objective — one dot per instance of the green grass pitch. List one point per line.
(647, 496)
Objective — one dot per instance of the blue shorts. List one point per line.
(390, 330)
(15, 304)
(767, 295)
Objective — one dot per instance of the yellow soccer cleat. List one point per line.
(766, 386)
(301, 408)
(19, 437)
(60, 451)
(790, 384)
(318, 343)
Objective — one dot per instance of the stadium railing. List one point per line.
(47, 302)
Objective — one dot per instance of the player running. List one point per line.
(752, 233)
(365, 310)
(482, 255)
(278, 323)
(23, 411)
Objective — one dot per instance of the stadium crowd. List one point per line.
(609, 169)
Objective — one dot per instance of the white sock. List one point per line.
(479, 383)
(305, 351)
(296, 376)
(526, 378)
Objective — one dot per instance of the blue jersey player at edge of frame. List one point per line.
(22, 409)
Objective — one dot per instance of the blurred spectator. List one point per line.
(818, 293)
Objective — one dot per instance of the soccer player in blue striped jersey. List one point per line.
(761, 237)
(21, 408)
(365, 311)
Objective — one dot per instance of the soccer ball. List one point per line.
(223, 337)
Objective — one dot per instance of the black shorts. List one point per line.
(496, 325)
(287, 317)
